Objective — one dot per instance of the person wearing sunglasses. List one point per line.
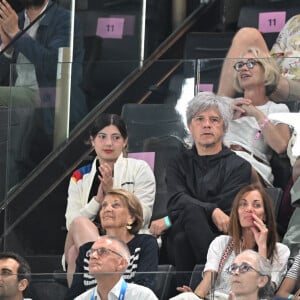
(285, 51)
(252, 226)
(249, 277)
(109, 257)
(121, 215)
(251, 134)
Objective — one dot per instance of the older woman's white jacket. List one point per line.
(130, 174)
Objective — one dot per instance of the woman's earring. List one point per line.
(129, 226)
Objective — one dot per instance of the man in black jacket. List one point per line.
(202, 183)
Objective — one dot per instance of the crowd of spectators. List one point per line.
(213, 212)
(218, 213)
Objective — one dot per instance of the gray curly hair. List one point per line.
(206, 100)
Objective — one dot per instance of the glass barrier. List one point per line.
(36, 122)
(106, 72)
(35, 223)
(28, 67)
(103, 32)
(53, 286)
(110, 40)
(40, 119)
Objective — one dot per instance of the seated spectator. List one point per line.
(202, 183)
(15, 276)
(251, 134)
(252, 226)
(250, 275)
(109, 259)
(110, 169)
(121, 215)
(290, 283)
(29, 70)
(286, 49)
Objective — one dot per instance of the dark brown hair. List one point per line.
(106, 120)
(235, 229)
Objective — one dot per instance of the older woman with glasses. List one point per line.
(252, 226)
(251, 134)
(250, 276)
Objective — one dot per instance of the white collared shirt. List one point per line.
(133, 292)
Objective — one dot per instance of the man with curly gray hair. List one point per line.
(202, 183)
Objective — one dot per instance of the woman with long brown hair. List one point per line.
(252, 226)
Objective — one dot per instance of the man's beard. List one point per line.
(32, 3)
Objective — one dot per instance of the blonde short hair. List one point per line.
(271, 71)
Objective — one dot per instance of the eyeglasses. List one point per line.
(242, 268)
(7, 273)
(250, 63)
(102, 252)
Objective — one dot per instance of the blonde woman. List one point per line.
(251, 134)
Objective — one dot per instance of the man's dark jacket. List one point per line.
(209, 181)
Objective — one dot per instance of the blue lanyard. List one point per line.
(123, 290)
(121, 295)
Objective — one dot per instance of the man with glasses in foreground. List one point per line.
(109, 258)
(14, 276)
